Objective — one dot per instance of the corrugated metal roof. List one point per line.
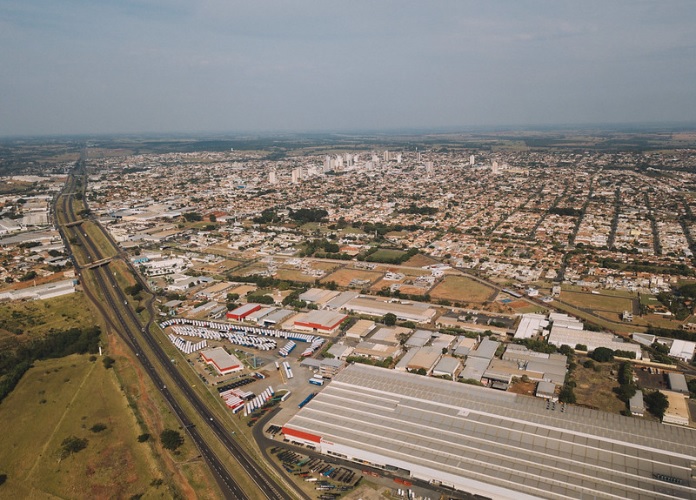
(500, 438)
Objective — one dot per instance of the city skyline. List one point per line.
(155, 67)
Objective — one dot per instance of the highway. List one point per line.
(135, 334)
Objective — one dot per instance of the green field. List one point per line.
(385, 255)
(65, 397)
(597, 302)
(461, 289)
(38, 317)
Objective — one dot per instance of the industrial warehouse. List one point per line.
(491, 443)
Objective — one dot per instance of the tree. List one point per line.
(656, 403)
(171, 439)
(389, 319)
(3, 478)
(602, 354)
(108, 362)
(143, 437)
(98, 427)
(566, 395)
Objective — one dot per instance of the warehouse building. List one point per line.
(495, 444)
(326, 322)
(683, 350)
(360, 329)
(41, 292)
(240, 313)
(221, 360)
(420, 313)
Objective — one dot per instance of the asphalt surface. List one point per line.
(133, 333)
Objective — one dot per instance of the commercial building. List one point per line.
(677, 382)
(424, 359)
(40, 292)
(490, 443)
(531, 325)
(242, 312)
(221, 360)
(420, 313)
(377, 351)
(636, 404)
(677, 413)
(360, 329)
(447, 366)
(326, 322)
(682, 350)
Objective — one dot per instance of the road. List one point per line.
(130, 328)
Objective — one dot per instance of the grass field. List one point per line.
(66, 397)
(38, 317)
(596, 302)
(344, 276)
(385, 255)
(420, 260)
(461, 289)
(295, 275)
(219, 267)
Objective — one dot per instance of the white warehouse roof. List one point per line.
(492, 443)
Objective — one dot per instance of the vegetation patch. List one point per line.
(461, 289)
(597, 302)
(57, 452)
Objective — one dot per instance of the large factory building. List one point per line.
(495, 444)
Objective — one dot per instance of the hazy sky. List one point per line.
(101, 66)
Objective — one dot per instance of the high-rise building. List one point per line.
(296, 175)
(418, 156)
(386, 156)
(472, 160)
(272, 177)
(398, 158)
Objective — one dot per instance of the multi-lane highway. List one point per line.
(112, 304)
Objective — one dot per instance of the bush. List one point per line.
(567, 395)
(71, 445)
(98, 428)
(143, 437)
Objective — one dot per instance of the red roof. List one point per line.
(301, 434)
(243, 311)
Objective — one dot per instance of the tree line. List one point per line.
(13, 365)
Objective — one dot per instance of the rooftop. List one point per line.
(495, 443)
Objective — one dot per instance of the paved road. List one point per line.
(130, 329)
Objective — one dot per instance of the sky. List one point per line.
(158, 66)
